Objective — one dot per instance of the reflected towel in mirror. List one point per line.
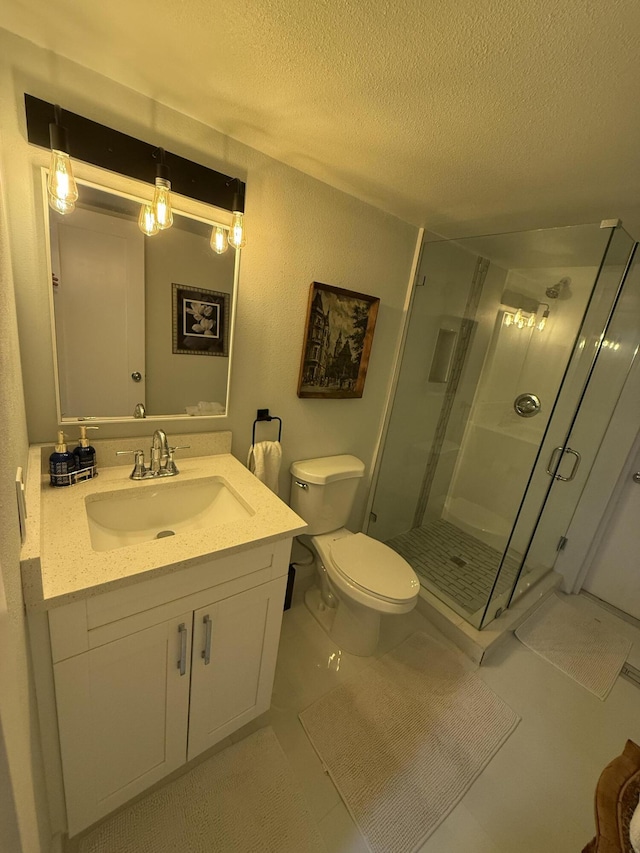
(264, 461)
(204, 408)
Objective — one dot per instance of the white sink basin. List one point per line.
(153, 512)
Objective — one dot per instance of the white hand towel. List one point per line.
(264, 461)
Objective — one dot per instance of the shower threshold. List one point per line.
(478, 645)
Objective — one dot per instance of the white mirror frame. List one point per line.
(138, 192)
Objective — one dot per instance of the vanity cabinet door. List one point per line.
(235, 644)
(122, 714)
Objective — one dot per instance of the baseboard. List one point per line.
(631, 673)
(626, 617)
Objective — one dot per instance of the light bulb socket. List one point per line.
(58, 138)
(163, 171)
(237, 205)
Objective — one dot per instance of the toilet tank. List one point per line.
(323, 490)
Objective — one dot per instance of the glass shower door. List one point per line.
(604, 355)
(493, 328)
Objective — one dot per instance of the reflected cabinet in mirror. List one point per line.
(142, 325)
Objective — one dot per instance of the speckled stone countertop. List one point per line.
(59, 565)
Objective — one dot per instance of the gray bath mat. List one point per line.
(242, 800)
(405, 739)
(581, 646)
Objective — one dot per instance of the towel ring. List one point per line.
(263, 415)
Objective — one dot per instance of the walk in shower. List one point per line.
(516, 350)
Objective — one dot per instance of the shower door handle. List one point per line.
(551, 467)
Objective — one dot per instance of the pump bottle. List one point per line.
(62, 464)
(85, 456)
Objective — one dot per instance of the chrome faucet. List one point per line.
(160, 454)
(162, 464)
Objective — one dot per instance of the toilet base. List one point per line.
(353, 628)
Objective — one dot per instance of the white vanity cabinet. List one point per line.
(145, 680)
(235, 644)
(122, 718)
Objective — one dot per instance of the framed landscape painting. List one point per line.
(337, 342)
(200, 321)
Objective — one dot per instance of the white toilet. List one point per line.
(360, 578)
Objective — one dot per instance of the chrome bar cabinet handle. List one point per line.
(182, 663)
(206, 652)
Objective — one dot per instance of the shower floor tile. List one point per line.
(456, 563)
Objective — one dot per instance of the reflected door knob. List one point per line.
(137, 377)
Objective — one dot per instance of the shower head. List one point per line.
(554, 291)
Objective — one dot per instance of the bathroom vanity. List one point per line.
(147, 654)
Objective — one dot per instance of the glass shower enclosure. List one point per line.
(516, 350)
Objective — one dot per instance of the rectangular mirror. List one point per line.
(143, 326)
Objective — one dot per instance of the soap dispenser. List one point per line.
(85, 456)
(62, 464)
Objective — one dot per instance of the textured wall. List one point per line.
(17, 708)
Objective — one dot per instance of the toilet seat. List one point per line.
(374, 568)
(368, 571)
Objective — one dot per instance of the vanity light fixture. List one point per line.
(118, 152)
(161, 203)
(523, 319)
(158, 215)
(543, 320)
(219, 239)
(238, 231)
(61, 186)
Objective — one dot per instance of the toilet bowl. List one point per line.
(358, 578)
(365, 579)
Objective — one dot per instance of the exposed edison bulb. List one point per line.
(508, 318)
(219, 241)
(238, 232)
(519, 319)
(162, 204)
(147, 221)
(543, 320)
(60, 206)
(61, 184)
(531, 321)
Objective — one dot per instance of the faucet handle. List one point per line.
(171, 465)
(139, 466)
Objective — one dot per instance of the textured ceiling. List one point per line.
(464, 116)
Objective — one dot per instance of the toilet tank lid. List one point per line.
(327, 469)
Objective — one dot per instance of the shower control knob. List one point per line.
(636, 477)
(526, 405)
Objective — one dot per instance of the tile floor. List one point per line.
(455, 563)
(534, 797)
